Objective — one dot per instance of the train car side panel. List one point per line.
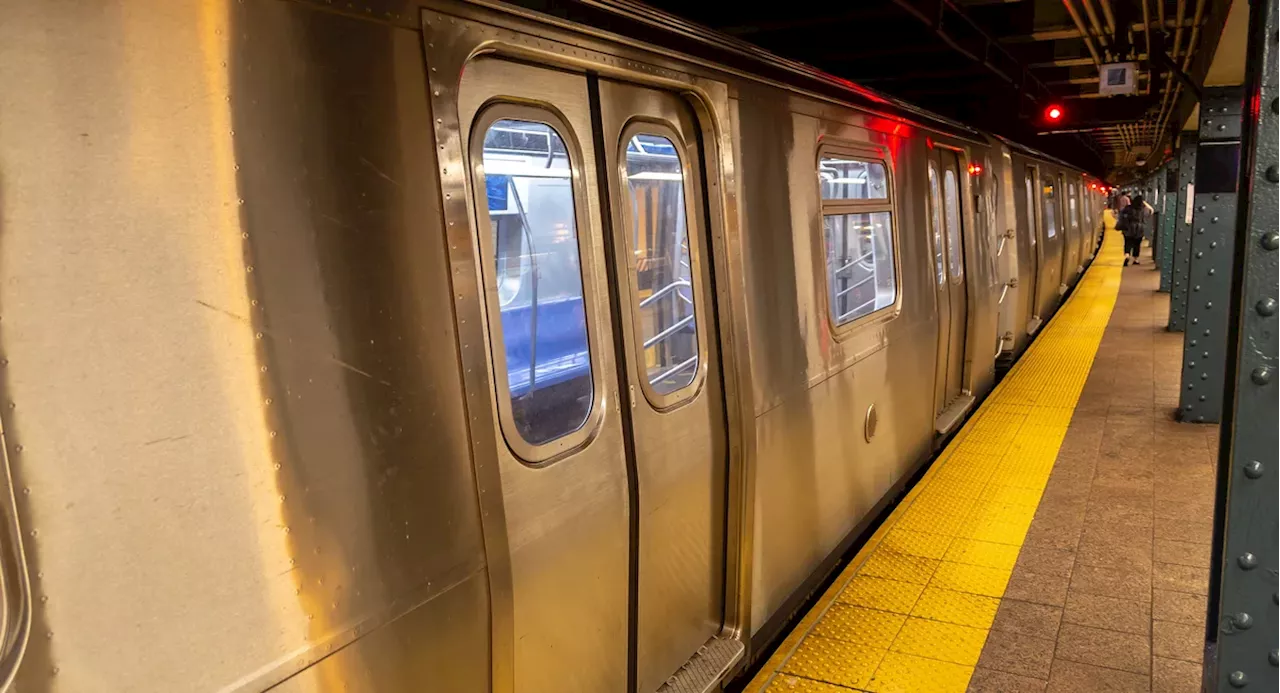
(817, 474)
(232, 364)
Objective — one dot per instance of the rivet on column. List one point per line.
(1261, 375)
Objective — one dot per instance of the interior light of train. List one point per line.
(655, 175)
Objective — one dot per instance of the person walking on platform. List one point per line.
(1132, 222)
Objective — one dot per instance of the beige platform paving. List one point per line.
(1109, 589)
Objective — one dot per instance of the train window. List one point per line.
(951, 209)
(662, 267)
(1050, 211)
(544, 364)
(851, 179)
(859, 264)
(857, 231)
(985, 204)
(1072, 214)
(1031, 206)
(935, 208)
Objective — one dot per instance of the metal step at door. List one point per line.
(953, 414)
(703, 671)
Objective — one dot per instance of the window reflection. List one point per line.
(951, 210)
(850, 179)
(935, 210)
(663, 271)
(538, 278)
(860, 273)
(1050, 213)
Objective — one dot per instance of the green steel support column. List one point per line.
(1212, 240)
(1243, 626)
(1157, 202)
(1182, 233)
(1169, 204)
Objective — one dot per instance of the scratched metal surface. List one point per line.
(232, 413)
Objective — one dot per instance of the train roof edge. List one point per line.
(636, 22)
(721, 48)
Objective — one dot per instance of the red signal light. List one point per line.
(1053, 113)
(975, 169)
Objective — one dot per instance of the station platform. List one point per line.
(1061, 542)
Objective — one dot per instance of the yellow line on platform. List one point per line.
(912, 611)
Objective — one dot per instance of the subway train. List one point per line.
(400, 345)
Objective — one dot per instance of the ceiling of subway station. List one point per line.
(999, 64)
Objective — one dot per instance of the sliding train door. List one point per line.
(1053, 283)
(653, 163)
(945, 195)
(589, 203)
(1070, 231)
(1084, 219)
(560, 444)
(1036, 254)
(1074, 223)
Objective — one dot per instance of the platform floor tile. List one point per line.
(914, 608)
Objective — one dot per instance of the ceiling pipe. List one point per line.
(1186, 64)
(1108, 16)
(1177, 45)
(1103, 41)
(1177, 33)
(1146, 30)
(1084, 33)
(1195, 35)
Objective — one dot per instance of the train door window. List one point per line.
(1031, 205)
(951, 212)
(857, 226)
(1050, 213)
(544, 364)
(990, 199)
(935, 210)
(662, 273)
(1072, 212)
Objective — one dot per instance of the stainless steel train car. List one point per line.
(389, 345)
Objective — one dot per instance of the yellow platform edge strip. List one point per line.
(912, 610)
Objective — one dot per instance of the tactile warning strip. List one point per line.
(912, 610)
